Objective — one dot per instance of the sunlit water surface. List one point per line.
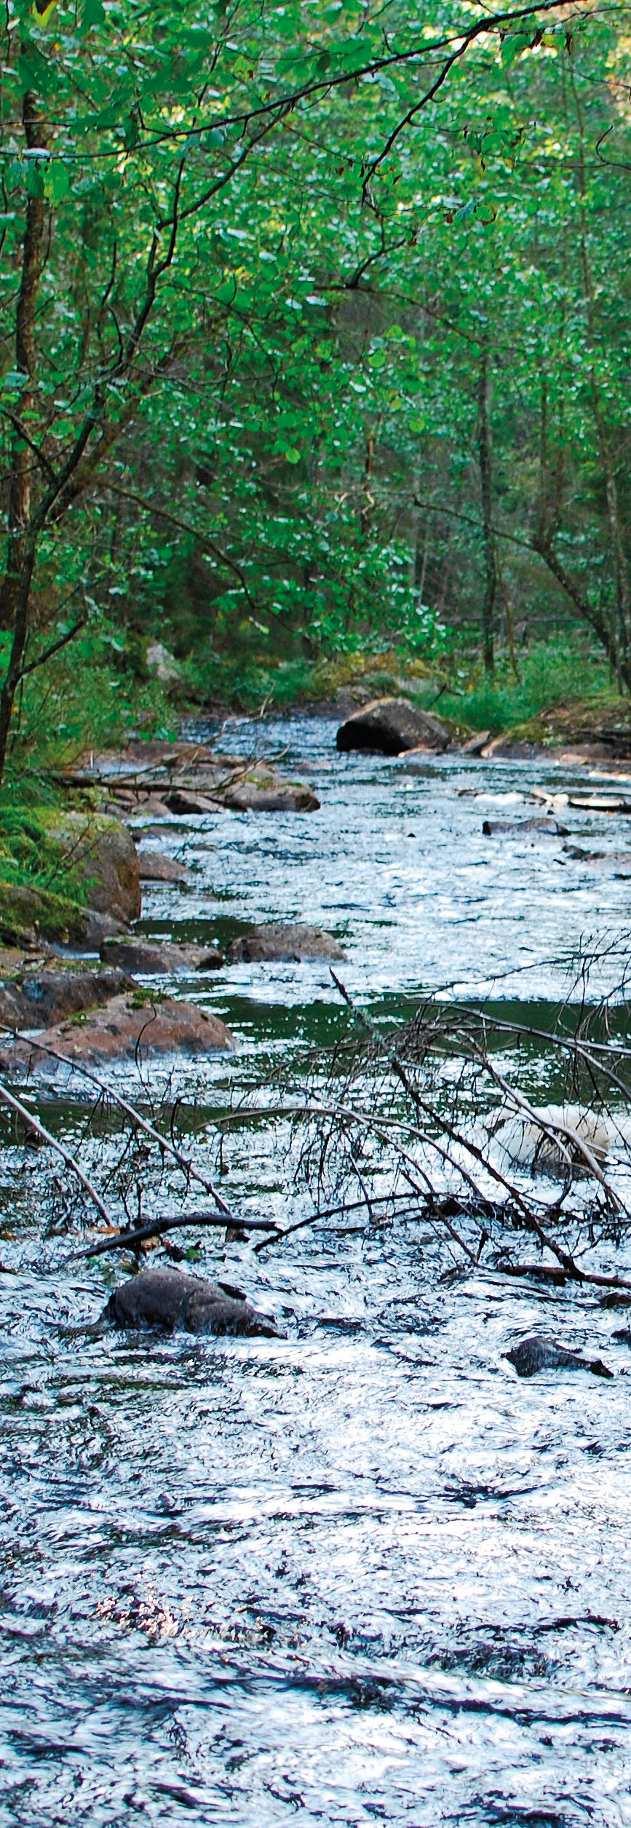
(360, 1574)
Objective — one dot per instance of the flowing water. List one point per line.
(362, 1573)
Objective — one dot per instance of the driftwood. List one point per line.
(158, 1228)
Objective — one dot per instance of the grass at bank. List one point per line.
(547, 678)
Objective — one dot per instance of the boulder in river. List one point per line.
(536, 1354)
(158, 957)
(35, 999)
(185, 801)
(169, 1299)
(101, 853)
(263, 790)
(388, 726)
(155, 866)
(618, 862)
(278, 942)
(123, 1029)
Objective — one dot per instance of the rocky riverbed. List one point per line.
(365, 1571)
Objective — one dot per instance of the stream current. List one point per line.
(361, 1574)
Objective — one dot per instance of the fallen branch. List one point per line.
(38, 1129)
(156, 1228)
(135, 1118)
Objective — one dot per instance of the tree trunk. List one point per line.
(22, 538)
(485, 459)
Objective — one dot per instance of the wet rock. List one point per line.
(146, 958)
(510, 749)
(149, 807)
(101, 853)
(553, 1141)
(623, 1336)
(277, 942)
(35, 1000)
(29, 915)
(183, 800)
(155, 866)
(475, 745)
(600, 802)
(266, 791)
(167, 1299)
(536, 1354)
(125, 1027)
(619, 862)
(546, 827)
(388, 726)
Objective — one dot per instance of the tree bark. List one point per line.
(21, 543)
(485, 459)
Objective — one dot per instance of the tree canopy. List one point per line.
(313, 330)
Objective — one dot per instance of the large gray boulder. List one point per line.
(388, 726)
(278, 942)
(156, 866)
(101, 853)
(124, 1028)
(168, 1299)
(264, 790)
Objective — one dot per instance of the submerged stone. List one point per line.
(170, 1300)
(146, 957)
(536, 1354)
(275, 941)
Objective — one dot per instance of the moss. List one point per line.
(26, 910)
(33, 853)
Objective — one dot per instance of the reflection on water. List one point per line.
(361, 1574)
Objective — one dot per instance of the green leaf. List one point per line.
(56, 181)
(512, 46)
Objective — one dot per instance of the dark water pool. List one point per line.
(361, 1574)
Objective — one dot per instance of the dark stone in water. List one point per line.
(290, 943)
(388, 726)
(537, 1354)
(167, 1300)
(551, 828)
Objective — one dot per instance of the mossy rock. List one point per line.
(100, 854)
(28, 914)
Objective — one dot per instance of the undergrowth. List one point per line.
(551, 675)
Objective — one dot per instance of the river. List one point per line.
(362, 1574)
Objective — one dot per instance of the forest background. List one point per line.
(312, 361)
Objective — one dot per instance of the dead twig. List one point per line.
(38, 1129)
(157, 1228)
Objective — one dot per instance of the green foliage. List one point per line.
(253, 416)
(550, 674)
(30, 857)
(89, 696)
